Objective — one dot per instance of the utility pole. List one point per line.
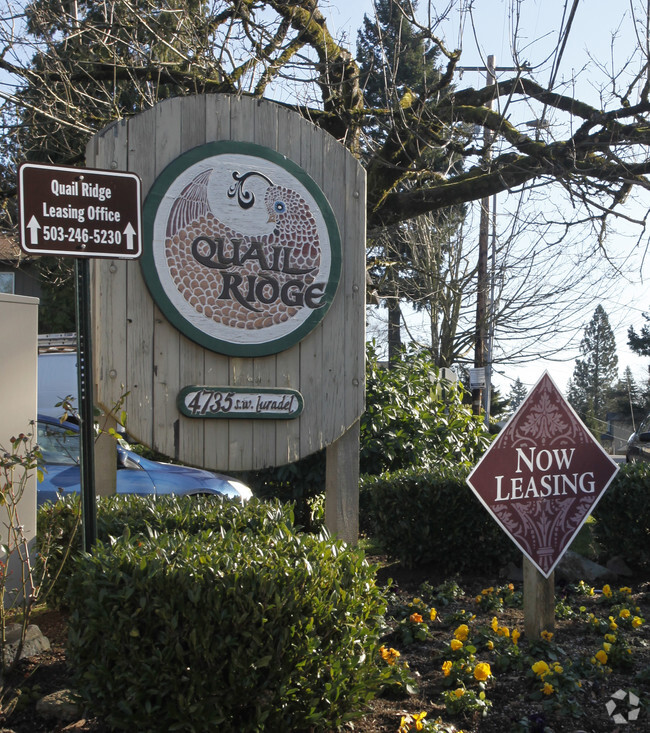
(485, 286)
(480, 338)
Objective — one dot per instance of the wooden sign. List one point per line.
(243, 250)
(252, 284)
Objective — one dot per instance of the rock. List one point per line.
(61, 705)
(573, 567)
(34, 643)
(512, 572)
(619, 566)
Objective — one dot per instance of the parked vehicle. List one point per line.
(59, 444)
(638, 444)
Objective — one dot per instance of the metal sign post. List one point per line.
(87, 427)
(81, 213)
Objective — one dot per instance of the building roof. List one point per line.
(9, 249)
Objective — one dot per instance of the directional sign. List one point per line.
(542, 476)
(79, 212)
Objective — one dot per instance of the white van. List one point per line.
(57, 372)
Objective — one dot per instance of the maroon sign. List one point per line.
(79, 212)
(542, 476)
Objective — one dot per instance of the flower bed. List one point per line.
(455, 659)
(459, 660)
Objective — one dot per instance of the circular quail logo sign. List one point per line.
(242, 252)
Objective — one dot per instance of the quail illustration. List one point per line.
(236, 279)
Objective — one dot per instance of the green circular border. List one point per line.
(150, 209)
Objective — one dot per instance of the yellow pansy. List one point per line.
(607, 591)
(541, 668)
(462, 632)
(417, 719)
(625, 613)
(446, 668)
(515, 636)
(601, 656)
(433, 614)
(389, 655)
(546, 635)
(459, 692)
(482, 671)
(637, 621)
(548, 688)
(456, 644)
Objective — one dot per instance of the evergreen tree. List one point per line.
(93, 56)
(57, 310)
(396, 63)
(628, 397)
(640, 342)
(398, 66)
(516, 395)
(595, 374)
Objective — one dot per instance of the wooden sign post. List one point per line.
(539, 601)
(241, 338)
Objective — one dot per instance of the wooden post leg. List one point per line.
(342, 486)
(539, 601)
(105, 459)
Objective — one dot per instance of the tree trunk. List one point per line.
(394, 329)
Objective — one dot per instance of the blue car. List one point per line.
(59, 445)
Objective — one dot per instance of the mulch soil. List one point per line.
(509, 692)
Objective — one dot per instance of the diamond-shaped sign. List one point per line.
(542, 476)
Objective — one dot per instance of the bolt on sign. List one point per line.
(79, 212)
(243, 251)
(542, 476)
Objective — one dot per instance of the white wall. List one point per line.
(18, 382)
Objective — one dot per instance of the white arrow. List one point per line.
(33, 226)
(129, 232)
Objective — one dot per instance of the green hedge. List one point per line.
(622, 516)
(433, 517)
(255, 629)
(59, 535)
